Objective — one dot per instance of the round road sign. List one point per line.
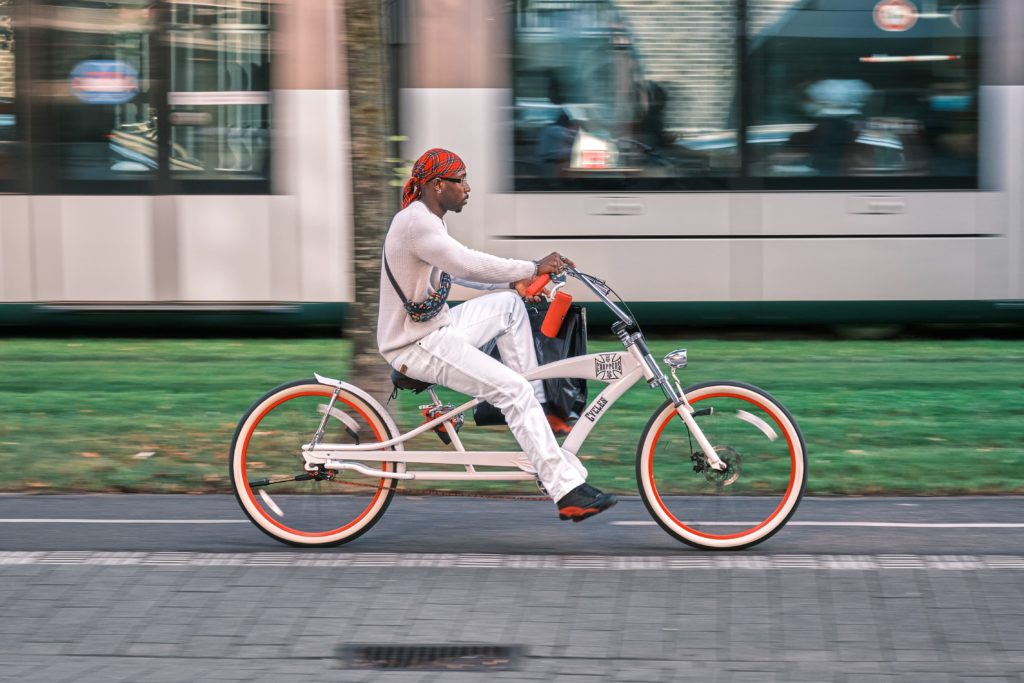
(895, 15)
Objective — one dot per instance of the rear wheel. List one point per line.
(746, 503)
(319, 508)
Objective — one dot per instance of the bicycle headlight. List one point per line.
(676, 359)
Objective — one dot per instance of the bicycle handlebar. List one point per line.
(596, 285)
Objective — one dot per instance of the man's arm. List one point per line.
(441, 250)
(480, 285)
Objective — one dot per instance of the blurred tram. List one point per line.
(718, 161)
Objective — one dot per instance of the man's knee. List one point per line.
(509, 307)
(518, 392)
(509, 299)
(513, 305)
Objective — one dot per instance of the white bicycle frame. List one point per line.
(619, 369)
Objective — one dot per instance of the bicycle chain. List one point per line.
(449, 494)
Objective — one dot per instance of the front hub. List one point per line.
(733, 466)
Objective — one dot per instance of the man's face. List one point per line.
(454, 192)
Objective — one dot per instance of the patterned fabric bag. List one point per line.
(422, 311)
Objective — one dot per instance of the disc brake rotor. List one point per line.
(733, 467)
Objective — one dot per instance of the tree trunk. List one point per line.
(373, 200)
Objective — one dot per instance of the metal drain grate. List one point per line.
(431, 657)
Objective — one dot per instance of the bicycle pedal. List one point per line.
(431, 412)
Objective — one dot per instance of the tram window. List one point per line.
(837, 94)
(861, 88)
(623, 93)
(8, 116)
(94, 81)
(220, 90)
(152, 96)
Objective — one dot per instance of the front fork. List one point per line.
(685, 411)
(656, 377)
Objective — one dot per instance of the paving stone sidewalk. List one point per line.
(191, 623)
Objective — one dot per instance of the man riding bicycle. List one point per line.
(420, 336)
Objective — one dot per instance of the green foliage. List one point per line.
(901, 417)
(401, 169)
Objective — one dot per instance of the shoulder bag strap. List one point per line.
(391, 277)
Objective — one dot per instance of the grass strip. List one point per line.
(157, 415)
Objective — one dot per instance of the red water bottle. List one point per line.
(556, 314)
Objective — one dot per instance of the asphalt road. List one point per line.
(211, 524)
(184, 588)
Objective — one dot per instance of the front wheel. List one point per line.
(319, 508)
(747, 502)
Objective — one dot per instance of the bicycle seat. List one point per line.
(405, 382)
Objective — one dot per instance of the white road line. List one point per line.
(685, 562)
(903, 525)
(920, 525)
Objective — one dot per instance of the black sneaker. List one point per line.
(584, 501)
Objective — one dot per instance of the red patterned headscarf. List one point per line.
(435, 163)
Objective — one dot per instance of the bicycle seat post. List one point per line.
(434, 397)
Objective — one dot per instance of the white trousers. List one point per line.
(451, 357)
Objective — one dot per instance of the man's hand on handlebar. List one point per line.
(553, 263)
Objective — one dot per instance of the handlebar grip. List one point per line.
(556, 315)
(538, 284)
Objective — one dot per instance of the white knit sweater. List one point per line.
(418, 247)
